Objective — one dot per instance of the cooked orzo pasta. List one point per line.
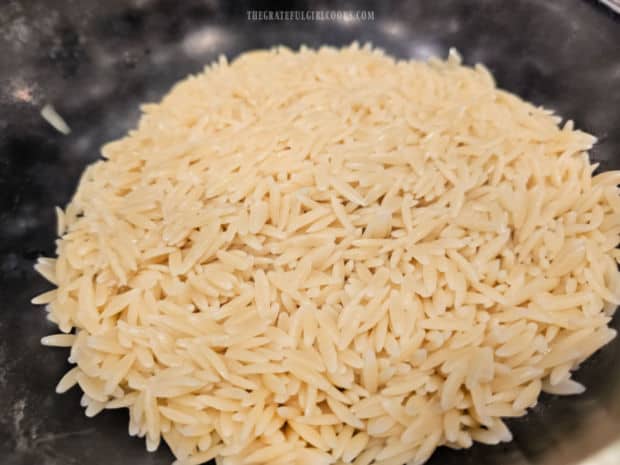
(333, 256)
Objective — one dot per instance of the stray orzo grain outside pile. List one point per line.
(332, 256)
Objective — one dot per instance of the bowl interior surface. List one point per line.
(97, 61)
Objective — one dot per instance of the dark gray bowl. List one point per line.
(96, 61)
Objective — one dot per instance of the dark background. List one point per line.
(96, 60)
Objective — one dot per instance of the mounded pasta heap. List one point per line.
(331, 256)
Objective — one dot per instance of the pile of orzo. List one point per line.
(333, 256)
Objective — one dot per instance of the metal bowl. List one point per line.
(97, 61)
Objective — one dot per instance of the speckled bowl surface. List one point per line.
(95, 61)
